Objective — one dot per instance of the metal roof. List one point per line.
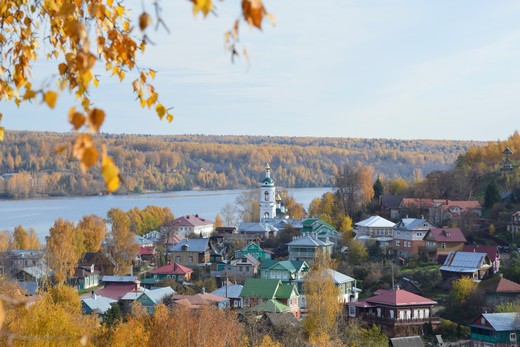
(156, 295)
(465, 261)
(98, 303)
(255, 227)
(308, 240)
(503, 321)
(194, 245)
(233, 291)
(376, 222)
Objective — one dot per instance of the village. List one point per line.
(245, 270)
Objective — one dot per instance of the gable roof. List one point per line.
(285, 291)
(146, 251)
(289, 265)
(191, 221)
(198, 299)
(500, 284)
(98, 303)
(116, 292)
(172, 269)
(407, 341)
(256, 227)
(412, 224)
(447, 235)
(233, 291)
(249, 259)
(399, 297)
(271, 305)
(193, 245)
(502, 321)
(339, 278)
(376, 222)
(156, 295)
(143, 242)
(309, 241)
(119, 279)
(491, 251)
(466, 262)
(391, 201)
(260, 288)
(463, 204)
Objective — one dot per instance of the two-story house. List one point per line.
(323, 230)
(242, 268)
(496, 329)
(191, 252)
(172, 271)
(258, 290)
(374, 227)
(192, 224)
(231, 292)
(439, 241)
(284, 270)
(409, 237)
(304, 248)
(397, 312)
(254, 250)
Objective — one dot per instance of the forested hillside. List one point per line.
(30, 166)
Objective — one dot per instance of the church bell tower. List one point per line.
(267, 196)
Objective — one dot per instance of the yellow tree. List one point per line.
(93, 229)
(63, 251)
(322, 298)
(462, 288)
(21, 239)
(80, 36)
(346, 229)
(218, 222)
(123, 247)
(5, 241)
(33, 240)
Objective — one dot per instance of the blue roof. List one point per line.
(469, 262)
(99, 304)
(193, 245)
(233, 291)
(412, 224)
(503, 321)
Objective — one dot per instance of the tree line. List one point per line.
(29, 165)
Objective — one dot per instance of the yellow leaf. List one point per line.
(2, 134)
(96, 82)
(152, 73)
(144, 21)
(202, 5)
(120, 10)
(62, 68)
(77, 120)
(90, 155)
(169, 117)
(161, 110)
(110, 173)
(96, 118)
(29, 94)
(50, 98)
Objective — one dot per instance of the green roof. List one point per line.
(271, 305)
(149, 281)
(267, 180)
(260, 288)
(285, 290)
(289, 265)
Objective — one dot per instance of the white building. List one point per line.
(267, 196)
(193, 224)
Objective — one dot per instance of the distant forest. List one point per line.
(30, 167)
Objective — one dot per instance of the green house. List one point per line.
(259, 290)
(496, 329)
(323, 230)
(284, 270)
(150, 298)
(254, 250)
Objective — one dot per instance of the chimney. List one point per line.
(203, 290)
(397, 287)
(94, 296)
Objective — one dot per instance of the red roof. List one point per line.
(417, 202)
(147, 251)
(191, 221)
(448, 235)
(464, 205)
(500, 285)
(174, 239)
(172, 269)
(116, 291)
(399, 297)
(491, 251)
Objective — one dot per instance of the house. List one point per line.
(397, 312)
(442, 241)
(376, 229)
(154, 236)
(34, 277)
(409, 237)
(345, 284)
(284, 270)
(242, 268)
(15, 260)
(143, 241)
(496, 329)
(258, 290)
(85, 277)
(514, 225)
(203, 299)
(323, 230)
(415, 206)
(499, 290)
(469, 264)
(407, 341)
(193, 224)
(492, 252)
(191, 252)
(254, 231)
(408, 285)
(173, 271)
(118, 286)
(255, 250)
(151, 298)
(304, 248)
(390, 205)
(103, 262)
(231, 292)
(96, 304)
(444, 211)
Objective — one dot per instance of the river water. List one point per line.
(40, 214)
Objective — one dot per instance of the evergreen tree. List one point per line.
(492, 195)
(379, 189)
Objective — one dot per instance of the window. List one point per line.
(419, 234)
(512, 337)
(379, 311)
(443, 245)
(247, 268)
(352, 311)
(266, 196)
(178, 258)
(240, 269)
(398, 242)
(392, 313)
(190, 259)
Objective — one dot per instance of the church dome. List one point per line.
(268, 181)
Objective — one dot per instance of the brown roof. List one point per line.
(500, 284)
(417, 202)
(172, 269)
(464, 205)
(491, 251)
(399, 297)
(191, 221)
(448, 235)
(116, 291)
(199, 299)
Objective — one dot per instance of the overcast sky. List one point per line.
(439, 69)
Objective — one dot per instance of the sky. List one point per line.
(330, 68)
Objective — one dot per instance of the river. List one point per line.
(40, 214)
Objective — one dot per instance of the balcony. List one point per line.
(371, 318)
